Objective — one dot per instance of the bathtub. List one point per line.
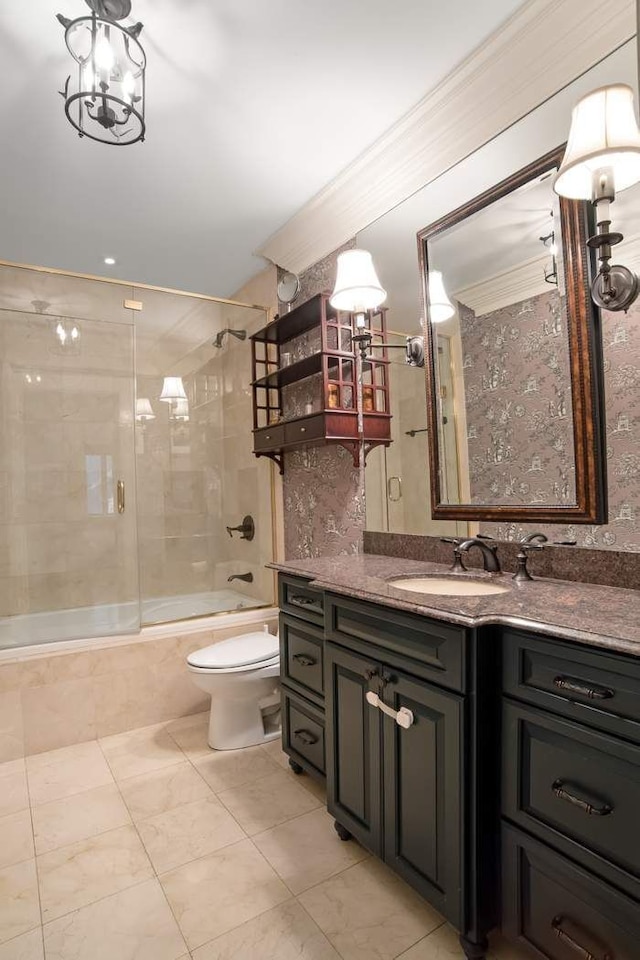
(121, 620)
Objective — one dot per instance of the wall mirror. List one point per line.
(514, 398)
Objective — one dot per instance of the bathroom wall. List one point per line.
(50, 700)
(323, 491)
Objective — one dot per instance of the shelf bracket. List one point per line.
(278, 459)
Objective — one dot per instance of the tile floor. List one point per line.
(149, 846)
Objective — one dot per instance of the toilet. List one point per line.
(242, 677)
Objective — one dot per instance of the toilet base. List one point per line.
(234, 724)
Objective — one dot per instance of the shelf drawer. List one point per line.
(573, 787)
(595, 687)
(269, 438)
(560, 911)
(296, 597)
(301, 655)
(310, 428)
(426, 648)
(303, 732)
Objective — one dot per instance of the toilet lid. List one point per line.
(236, 652)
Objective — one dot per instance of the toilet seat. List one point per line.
(247, 652)
(272, 662)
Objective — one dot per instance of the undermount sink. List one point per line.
(448, 586)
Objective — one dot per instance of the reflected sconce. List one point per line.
(144, 410)
(440, 307)
(67, 333)
(551, 276)
(105, 94)
(357, 290)
(180, 411)
(172, 390)
(602, 157)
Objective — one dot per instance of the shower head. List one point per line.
(238, 334)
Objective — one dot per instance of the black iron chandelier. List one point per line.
(104, 98)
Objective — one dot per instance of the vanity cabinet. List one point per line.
(570, 799)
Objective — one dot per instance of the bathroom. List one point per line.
(150, 806)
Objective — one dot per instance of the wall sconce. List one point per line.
(67, 334)
(144, 410)
(172, 390)
(602, 157)
(180, 410)
(357, 290)
(105, 98)
(440, 307)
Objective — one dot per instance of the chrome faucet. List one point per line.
(489, 552)
(247, 577)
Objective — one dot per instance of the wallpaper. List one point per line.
(324, 512)
(518, 402)
(621, 347)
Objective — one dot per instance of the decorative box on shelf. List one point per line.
(315, 341)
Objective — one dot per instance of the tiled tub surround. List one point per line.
(63, 694)
(149, 846)
(603, 616)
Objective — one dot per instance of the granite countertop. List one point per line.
(607, 617)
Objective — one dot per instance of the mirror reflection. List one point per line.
(498, 311)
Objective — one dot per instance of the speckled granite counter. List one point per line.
(606, 617)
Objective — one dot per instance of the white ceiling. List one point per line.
(252, 107)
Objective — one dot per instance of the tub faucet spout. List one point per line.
(247, 577)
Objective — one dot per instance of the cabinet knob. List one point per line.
(268, 436)
(303, 429)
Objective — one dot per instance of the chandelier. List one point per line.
(104, 96)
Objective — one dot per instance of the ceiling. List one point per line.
(252, 107)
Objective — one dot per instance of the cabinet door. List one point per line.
(423, 804)
(354, 746)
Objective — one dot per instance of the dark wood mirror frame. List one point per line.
(585, 349)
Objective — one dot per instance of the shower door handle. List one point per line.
(398, 489)
(120, 496)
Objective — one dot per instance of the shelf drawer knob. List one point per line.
(303, 429)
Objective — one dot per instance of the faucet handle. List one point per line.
(454, 540)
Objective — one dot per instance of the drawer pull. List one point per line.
(562, 793)
(298, 600)
(403, 717)
(304, 660)
(574, 686)
(305, 736)
(573, 944)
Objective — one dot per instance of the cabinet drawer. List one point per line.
(301, 656)
(560, 911)
(268, 438)
(311, 428)
(575, 788)
(426, 648)
(597, 688)
(301, 600)
(303, 732)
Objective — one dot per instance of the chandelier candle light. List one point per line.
(105, 95)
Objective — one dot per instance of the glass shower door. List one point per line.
(68, 558)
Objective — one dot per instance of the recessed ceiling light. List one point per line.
(109, 261)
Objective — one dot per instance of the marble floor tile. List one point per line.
(161, 790)
(61, 773)
(16, 838)
(213, 895)
(140, 751)
(26, 947)
(315, 787)
(89, 870)
(192, 739)
(14, 795)
(19, 904)
(267, 802)
(135, 924)
(225, 769)
(187, 832)
(274, 751)
(286, 933)
(307, 850)
(441, 944)
(368, 913)
(83, 815)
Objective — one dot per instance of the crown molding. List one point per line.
(544, 46)
(510, 286)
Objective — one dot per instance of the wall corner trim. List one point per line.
(542, 47)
